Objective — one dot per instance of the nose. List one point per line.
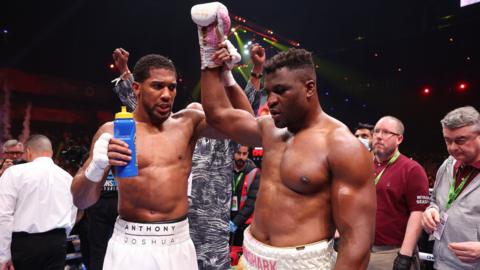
(166, 95)
(272, 101)
(452, 147)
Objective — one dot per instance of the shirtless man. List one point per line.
(152, 230)
(316, 176)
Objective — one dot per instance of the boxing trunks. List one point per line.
(257, 255)
(150, 246)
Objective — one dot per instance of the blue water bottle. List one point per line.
(124, 129)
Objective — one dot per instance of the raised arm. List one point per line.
(238, 98)
(353, 201)
(257, 54)
(237, 124)
(123, 84)
(252, 89)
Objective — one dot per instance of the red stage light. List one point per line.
(426, 91)
(112, 66)
(462, 86)
(257, 152)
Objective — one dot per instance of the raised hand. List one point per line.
(120, 58)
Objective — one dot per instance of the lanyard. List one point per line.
(235, 182)
(390, 162)
(454, 192)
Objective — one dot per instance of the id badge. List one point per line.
(437, 234)
(234, 203)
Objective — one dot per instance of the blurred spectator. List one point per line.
(363, 132)
(245, 184)
(454, 215)
(37, 210)
(402, 195)
(12, 154)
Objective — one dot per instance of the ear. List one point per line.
(399, 139)
(136, 89)
(28, 154)
(311, 87)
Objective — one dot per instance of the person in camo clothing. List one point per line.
(212, 161)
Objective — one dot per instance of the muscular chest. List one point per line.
(301, 165)
(163, 148)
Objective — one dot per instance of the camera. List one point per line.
(74, 154)
(18, 161)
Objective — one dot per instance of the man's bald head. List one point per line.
(400, 128)
(38, 146)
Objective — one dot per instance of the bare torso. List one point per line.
(164, 156)
(293, 206)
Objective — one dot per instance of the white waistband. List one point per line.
(148, 234)
(309, 256)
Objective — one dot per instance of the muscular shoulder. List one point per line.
(268, 128)
(340, 140)
(105, 128)
(347, 157)
(191, 115)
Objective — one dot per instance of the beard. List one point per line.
(240, 163)
(383, 153)
(153, 116)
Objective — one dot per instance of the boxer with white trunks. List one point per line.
(316, 176)
(151, 231)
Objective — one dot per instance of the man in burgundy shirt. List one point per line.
(402, 196)
(454, 213)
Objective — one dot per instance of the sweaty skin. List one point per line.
(165, 144)
(316, 176)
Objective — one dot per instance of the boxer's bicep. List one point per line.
(353, 201)
(205, 130)
(238, 125)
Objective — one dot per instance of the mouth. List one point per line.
(163, 108)
(378, 145)
(275, 114)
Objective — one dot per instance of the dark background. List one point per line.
(374, 57)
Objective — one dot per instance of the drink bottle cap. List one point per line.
(123, 113)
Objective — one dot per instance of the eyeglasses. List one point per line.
(14, 153)
(384, 133)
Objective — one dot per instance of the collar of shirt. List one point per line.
(459, 164)
(43, 160)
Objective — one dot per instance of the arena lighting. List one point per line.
(112, 66)
(426, 91)
(244, 75)
(462, 86)
(257, 152)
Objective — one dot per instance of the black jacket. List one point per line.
(241, 216)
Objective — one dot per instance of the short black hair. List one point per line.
(142, 68)
(361, 125)
(292, 59)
